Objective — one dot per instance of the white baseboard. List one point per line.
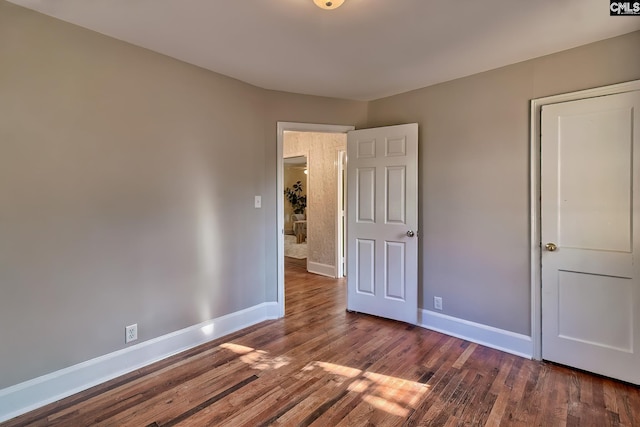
(321, 269)
(32, 394)
(272, 311)
(510, 342)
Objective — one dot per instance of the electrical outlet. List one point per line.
(130, 333)
(437, 303)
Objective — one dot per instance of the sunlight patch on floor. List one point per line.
(257, 359)
(343, 371)
(237, 348)
(393, 395)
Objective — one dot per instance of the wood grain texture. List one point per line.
(321, 366)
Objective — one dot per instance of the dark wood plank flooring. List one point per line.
(322, 366)
(295, 263)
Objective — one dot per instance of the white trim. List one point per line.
(293, 127)
(341, 154)
(536, 144)
(488, 336)
(32, 394)
(272, 311)
(321, 269)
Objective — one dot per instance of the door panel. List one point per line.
(366, 195)
(365, 273)
(382, 176)
(590, 208)
(394, 261)
(596, 310)
(395, 193)
(595, 150)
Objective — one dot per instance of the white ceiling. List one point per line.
(366, 49)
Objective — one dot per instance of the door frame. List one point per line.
(536, 205)
(296, 127)
(341, 227)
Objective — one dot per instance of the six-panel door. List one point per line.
(382, 185)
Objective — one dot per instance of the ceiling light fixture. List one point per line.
(328, 4)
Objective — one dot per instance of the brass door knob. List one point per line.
(551, 247)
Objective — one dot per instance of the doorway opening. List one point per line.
(295, 173)
(322, 227)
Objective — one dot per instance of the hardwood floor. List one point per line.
(295, 263)
(322, 366)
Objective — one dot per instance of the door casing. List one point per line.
(341, 227)
(535, 241)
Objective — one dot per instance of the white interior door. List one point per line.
(382, 241)
(590, 234)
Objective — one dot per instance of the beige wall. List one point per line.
(474, 175)
(116, 205)
(321, 150)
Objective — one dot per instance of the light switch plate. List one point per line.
(258, 202)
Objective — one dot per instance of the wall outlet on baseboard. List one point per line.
(437, 303)
(130, 333)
